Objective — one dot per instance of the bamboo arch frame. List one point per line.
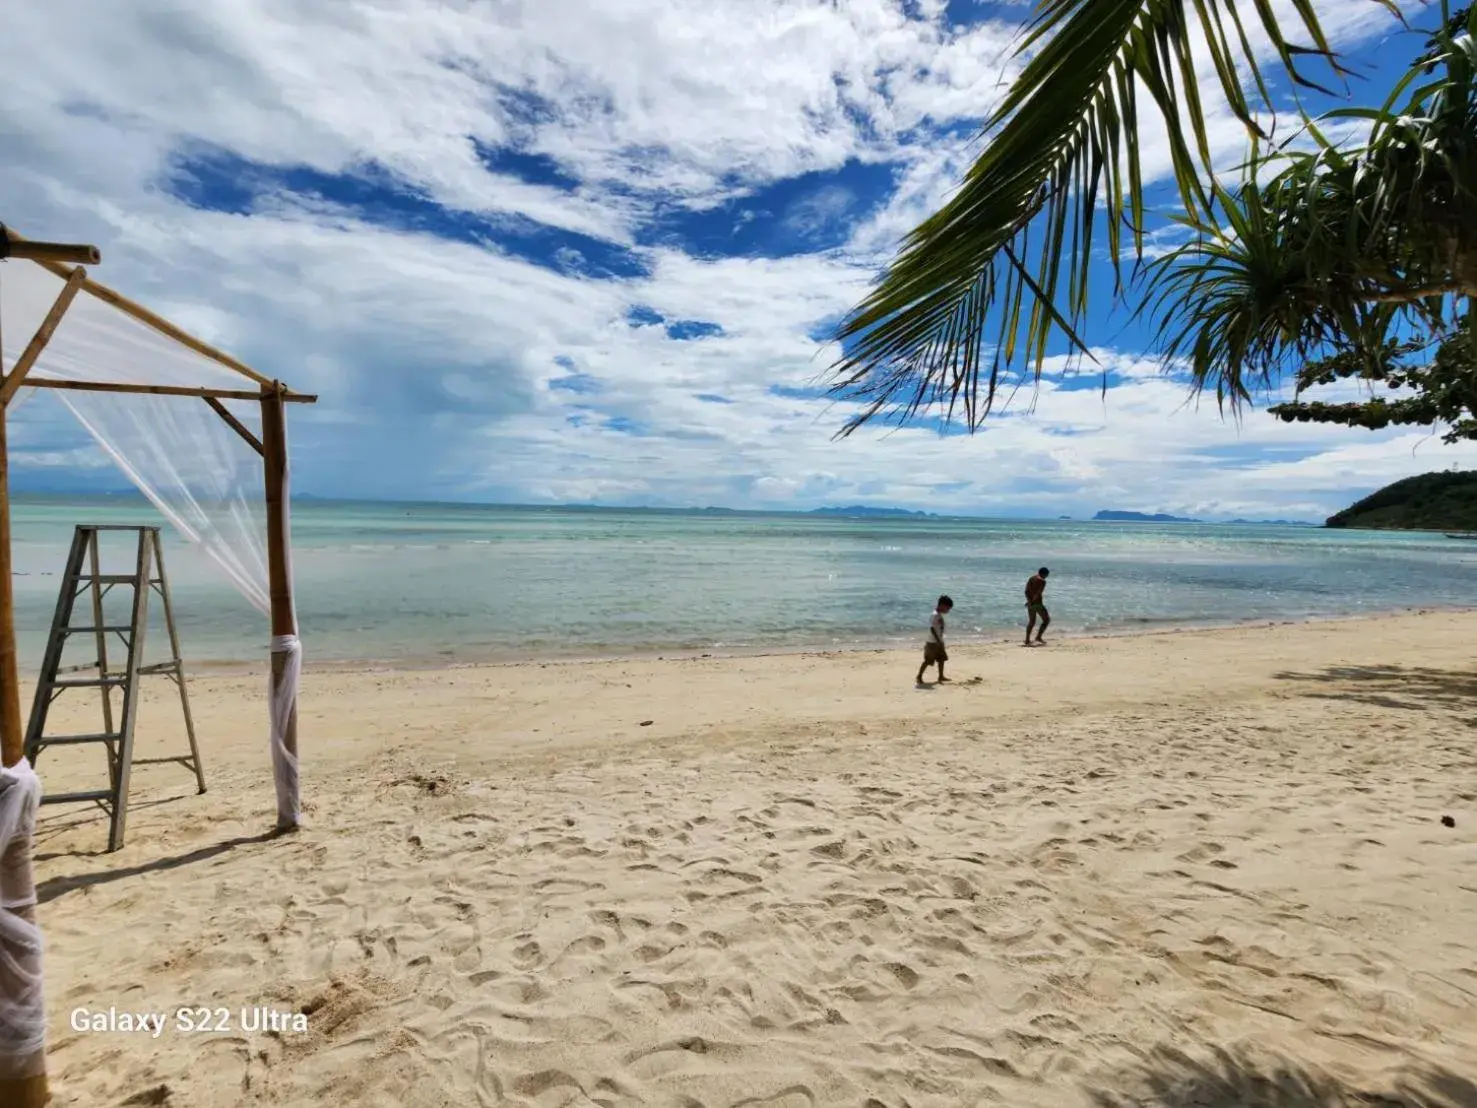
(65, 261)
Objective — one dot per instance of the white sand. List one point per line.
(806, 883)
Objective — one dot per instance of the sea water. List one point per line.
(412, 584)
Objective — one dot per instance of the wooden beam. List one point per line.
(14, 246)
(42, 336)
(163, 390)
(143, 315)
(163, 326)
(279, 573)
(12, 735)
(235, 424)
(24, 1084)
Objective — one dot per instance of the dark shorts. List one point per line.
(1036, 608)
(933, 653)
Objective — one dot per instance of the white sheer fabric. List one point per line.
(284, 701)
(201, 475)
(22, 1003)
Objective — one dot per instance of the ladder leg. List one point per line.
(130, 691)
(179, 664)
(52, 659)
(102, 656)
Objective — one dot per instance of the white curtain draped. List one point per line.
(22, 1004)
(200, 474)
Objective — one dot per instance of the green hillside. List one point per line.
(1430, 502)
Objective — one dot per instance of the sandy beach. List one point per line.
(1202, 868)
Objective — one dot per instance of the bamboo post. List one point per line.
(13, 245)
(279, 565)
(22, 1080)
(12, 735)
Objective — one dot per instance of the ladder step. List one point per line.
(110, 578)
(89, 682)
(122, 627)
(159, 667)
(73, 740)
(76, 798)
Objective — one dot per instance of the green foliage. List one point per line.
(1062, 162)
(1444, 388)
(1342, 248)
(1431, 502)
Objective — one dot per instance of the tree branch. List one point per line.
(1419, 292)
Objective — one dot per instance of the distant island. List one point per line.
(1140, 517)
(859, 510)
(1445, 501)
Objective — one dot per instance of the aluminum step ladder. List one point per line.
(84, 571)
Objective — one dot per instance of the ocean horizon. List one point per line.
(416, 583)
(92, 497)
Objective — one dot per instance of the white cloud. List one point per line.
(435, 358)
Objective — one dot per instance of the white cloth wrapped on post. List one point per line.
(283, 695)
(22, 1003)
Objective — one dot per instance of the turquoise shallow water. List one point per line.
(425, 583)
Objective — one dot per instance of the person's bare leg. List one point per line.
(1045, 623)
(1030, 625)
(921, 671)
(942, 678)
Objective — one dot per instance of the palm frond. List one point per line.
(1342, 251)
(1062, 151)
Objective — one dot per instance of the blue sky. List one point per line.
(561, 252)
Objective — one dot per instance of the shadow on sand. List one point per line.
(1404, 688)
(1229, 1079)
(54, 887)
(53, 823)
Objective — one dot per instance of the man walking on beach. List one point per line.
(1035, 606)
(933, 647)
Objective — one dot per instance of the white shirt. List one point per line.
(936, 629)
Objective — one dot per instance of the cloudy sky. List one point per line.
(588, 250)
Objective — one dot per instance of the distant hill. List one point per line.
(859, 510)
(1431, 502)
(1140, 517)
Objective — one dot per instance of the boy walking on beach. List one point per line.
(933, 648)
(1035, 604)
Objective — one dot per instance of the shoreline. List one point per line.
(510, 659)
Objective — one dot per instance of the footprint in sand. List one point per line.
(796, 1096)
(1200, 853)
(537, 1084)
(906, 975)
